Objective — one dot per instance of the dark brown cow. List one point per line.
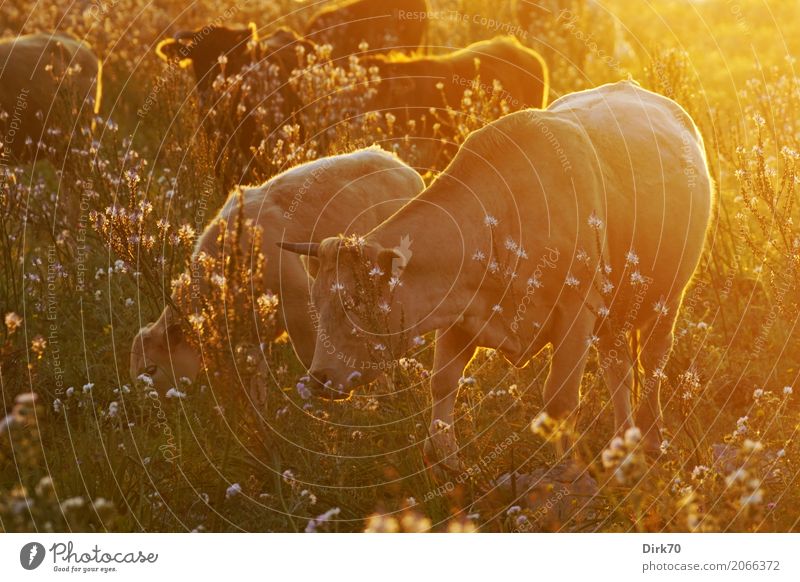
(383, 24)
(202, 48)
(43, 77)
(411, 86)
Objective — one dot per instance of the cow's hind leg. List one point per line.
(454, 350)
(655, 340)
(616, 365)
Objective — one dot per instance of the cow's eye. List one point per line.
(151, 370)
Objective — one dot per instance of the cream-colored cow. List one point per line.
(573, 227)
(339, 194)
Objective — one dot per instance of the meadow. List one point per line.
(92, 249)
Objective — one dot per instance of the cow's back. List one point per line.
(654, 185)
(30, 67)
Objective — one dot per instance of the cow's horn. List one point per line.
(310, 249)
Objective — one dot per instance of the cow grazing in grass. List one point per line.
(339, 194)
(410, 85)
(576, 227)
(397, 25)
(43, 78)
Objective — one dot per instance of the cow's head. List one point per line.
(159, 351)
(357, 312)
(202, 48)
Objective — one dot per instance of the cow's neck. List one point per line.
(438, 280)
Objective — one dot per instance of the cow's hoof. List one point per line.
(442, 459)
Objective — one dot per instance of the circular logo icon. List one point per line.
(31, 555)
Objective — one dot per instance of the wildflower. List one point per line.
(70, 391)
(376, 272)
(545, 426)
(631, 258)
(288, 477)
(38, 345)
(534, 283)
(384, 307)
(233, 491)
(571, 281)
(418, 341)
(787, 390)
(303, 391)
(700, 472)
(353, 376)
(13, 322)
(751, 446)
(57, 404)
(660, 307)
(607, 287)
(758, 393)
(479, 256)
(382, 523)
(603, 311)
(175, 393)
(145, 379)
(73, 503)
(497, 309)
(313, 524)
(664, 446)
(781, 453)
(440, 426)
(129, 302)
(88, 387)
(308, 496)
(741, 426)
(337, 287)
(113, 409)
(633, 437)
(592, 340)
(595, 222)
(637, 278)
(490, 221)
(394, 282)
(467, 381)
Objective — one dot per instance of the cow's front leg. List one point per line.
(454, 350)
(562, 387)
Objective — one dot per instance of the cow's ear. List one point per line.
(171, 49)
(174, 334)
(391, 262)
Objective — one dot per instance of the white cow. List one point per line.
(573, 227)
(339, 194)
